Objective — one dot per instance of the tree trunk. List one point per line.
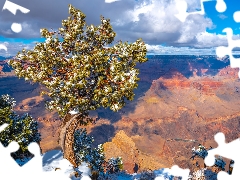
(66, 137)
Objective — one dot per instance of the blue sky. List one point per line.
(152, 20)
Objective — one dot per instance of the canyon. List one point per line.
(180, 102)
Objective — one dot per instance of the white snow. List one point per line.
(56, 166)
(53, 161)
(74, 111)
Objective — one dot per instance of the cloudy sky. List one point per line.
(152, 20)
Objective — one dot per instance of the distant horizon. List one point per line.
(150, 55)
(154, 21)
(238, 55)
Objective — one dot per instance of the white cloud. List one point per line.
(3, 46)
(194, 25)
(170, 50)
(152, 20)
(142, 8)
(14, 47)
(206, 39)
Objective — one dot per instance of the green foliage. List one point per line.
(85, 153)
(79, 69)
(114, 165)
(23, 130)
(94, 156)
(6, 106)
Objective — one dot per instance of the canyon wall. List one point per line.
(179, 103)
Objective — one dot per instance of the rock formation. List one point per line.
(179, 103)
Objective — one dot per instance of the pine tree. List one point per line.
(84, 151)
(22, 129)
(6, 106)
(81, 70)
(94, 156)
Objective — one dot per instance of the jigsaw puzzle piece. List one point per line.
(9, 169)
(227, 150)
(177, 171)
(12, 7)
(182, 9)
(35, 164)
(236, 16)
(221, 6)
(223, 176)
(5, 156)
(30, 169)
(221, 51)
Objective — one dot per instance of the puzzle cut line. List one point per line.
(12, 7)
(182, 8)
(228, 150)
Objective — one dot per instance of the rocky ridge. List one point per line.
(178, 104)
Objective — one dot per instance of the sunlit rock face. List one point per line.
(180, 101)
